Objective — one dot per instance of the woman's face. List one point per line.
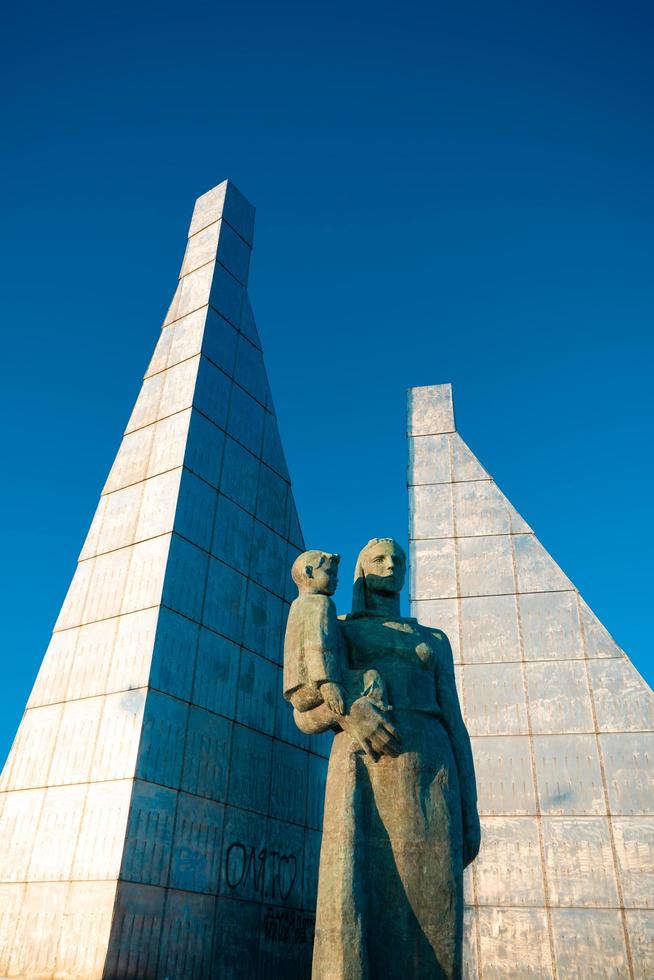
(384, 567)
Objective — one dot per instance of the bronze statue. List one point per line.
(400, 820)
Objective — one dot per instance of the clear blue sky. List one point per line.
(445, 192)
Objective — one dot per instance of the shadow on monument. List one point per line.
(386, 910)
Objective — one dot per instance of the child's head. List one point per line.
(316, 571)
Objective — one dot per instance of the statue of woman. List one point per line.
(400, 820)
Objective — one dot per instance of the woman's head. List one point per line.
(380, 568)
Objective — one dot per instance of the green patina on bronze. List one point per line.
(400, 820)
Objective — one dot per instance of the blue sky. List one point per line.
(445, 192)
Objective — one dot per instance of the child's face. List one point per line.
(325, 575)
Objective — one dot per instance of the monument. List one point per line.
(401, 804)
(562, 728)
(160, 813)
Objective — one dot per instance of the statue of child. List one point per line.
(316, 669)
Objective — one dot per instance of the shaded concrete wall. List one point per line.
(160, 814)
(562, 727)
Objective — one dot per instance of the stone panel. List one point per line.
(494, 699)
(250, 769)
(559, 700)
(168, 442)
(470, 957)
(240, 475)
(147, 569)
(599, 642)
(514, 944)
(257, 692)
(216, 673)
(158, 503)
(38, 928)
(250, 373)
(186, 935)
(224, 600)
(246, 418)
(18, 827)
(485, 565)
(213, 393)
(187, 336)
(508, 870)
(435, 574)
(268, 556)
(131, 463)
(284, 864)
(568, 775)
(197, 843)
(629, 761)
(93, 653)
(504, 776)
(101, 839)
(55, 841)
(288, 790)
(236, 943)
(131, 657)
(312, 840)
(244, 869)
(149, 838)
(589, 943)
(429, 460)
(550, 626)
(161, 751)
(430, 511)
(480, 509)
(232, 535)
(262, 629)
(536, 570)
(173, 665)
(465, 466)
(623, 701)
(634, 844)
(206, 754)
(273, 501)
(52, 680)
(204, 449)
(135, 932)
(186, 579)
(640, 925)
(29, 759)
(579, 860)
(82, 947)
(489, 629)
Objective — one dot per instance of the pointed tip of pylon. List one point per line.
(226, 201)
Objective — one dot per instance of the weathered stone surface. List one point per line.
(562, 728)
(138, 789)
(400, 819)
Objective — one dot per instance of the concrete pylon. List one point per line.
(160, 813)
(562, 728)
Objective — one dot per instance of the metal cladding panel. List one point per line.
(160, 814)
(562, 727)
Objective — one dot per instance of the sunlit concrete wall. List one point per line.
(562, 728)
(160, 814)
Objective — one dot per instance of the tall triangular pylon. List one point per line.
(160, 814)
(562, 727)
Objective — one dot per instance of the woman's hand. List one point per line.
(471, 837)
(370, 727)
